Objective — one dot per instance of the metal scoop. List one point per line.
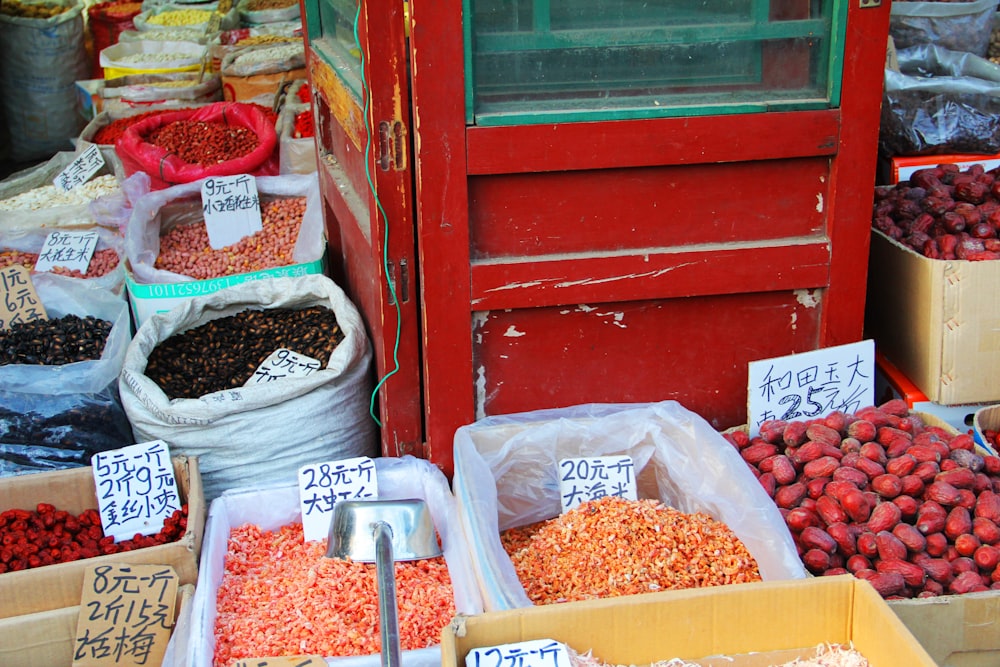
(383, 531)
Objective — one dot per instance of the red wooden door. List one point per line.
(361, 92)
(632, 260)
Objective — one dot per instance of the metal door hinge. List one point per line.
(391, 145)
(868, 4)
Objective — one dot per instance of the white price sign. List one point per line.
(67, 250)
(79, 171)
(811, 384)
(531, 653)
(322, 485)
(589, 478)
(231, 207)
(136, 489)
(283, 363)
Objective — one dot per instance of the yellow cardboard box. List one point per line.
(58, 586)
(740, 625)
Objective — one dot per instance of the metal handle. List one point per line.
(388, 613)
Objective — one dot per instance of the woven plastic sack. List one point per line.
(265, 432)
(166, 169)
(507, 475)
(42, 61)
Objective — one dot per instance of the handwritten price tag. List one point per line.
(136, 489)
(811, 384)
(283, 363)
(126, 615)
(79, 171)
(68, 250)
(588, 478)
(20, 300)
(321, 485)
(533, 653)
(231, 207)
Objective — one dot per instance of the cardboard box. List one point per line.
(937, 320)
(956, 630)
(902, 167)
(48, 637)
(749, 624)
(890, 383)
(148, 299)
(58, 586)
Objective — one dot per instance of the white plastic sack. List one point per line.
(256, 434)
(33, 240)
(42, 61)
(270, 508)
(147, 223)
(297, 155)
(506, 475)
(40, 177)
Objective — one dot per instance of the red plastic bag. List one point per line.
(166, 169)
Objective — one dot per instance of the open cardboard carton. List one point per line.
(740, 625)
(47, 638)
(58, 586)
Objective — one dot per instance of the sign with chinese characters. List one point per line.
(811, 384)
(79, 171)
(531, 653)
(136, 489)
(322, 485)
(126, 615)
(282, 661)
(68, 250)
(231, 207)
(283, 363)
(20, 300)
(589, 478)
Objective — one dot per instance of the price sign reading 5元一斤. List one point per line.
(231, 207)
(136, 489)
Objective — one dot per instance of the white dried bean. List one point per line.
(278, 53)
(47, 196)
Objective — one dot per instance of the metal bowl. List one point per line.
(352, 530)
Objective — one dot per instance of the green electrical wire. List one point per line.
(378, 205)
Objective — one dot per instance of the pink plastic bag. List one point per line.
(166, 169)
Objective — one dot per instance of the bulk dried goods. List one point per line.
(943, 212)
(47, 196)
(254, 40)
(224, 353)
(179, 17)
(612, 546)
(281, 596)
(203, 142)
(46, 536)
(185, 248)
(269, 54)
(54, 342)
(32, 10)
(912, 508)
(259, 5)
(826, 655)
(153, 57)
(101, 263)
(108, 134)
(118, 9)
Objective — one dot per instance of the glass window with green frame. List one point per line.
(332, 36)
(538, 61)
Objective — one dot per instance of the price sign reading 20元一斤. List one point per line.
(589, 478)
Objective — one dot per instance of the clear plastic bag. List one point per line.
(54, 417)
(940, 101)
(506, 475)
(959, 26)
(272, 507)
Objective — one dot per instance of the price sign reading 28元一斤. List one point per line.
(811, 384)
(321, 485)
(231, 207)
